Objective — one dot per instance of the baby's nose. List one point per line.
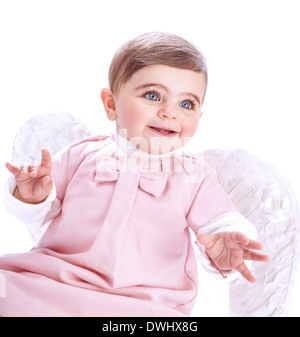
(168, 112)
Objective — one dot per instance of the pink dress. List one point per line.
(118, 242)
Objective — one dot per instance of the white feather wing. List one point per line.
(51, 131)
(266, 199)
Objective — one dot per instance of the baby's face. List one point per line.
(159, 107)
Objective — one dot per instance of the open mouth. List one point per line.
(163, 132)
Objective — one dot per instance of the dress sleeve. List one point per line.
(34, 216)
(209, 201)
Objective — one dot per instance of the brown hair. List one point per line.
(150, 49)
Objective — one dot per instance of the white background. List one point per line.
(55, 56)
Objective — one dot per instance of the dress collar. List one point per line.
(120, 155)
(126, 148)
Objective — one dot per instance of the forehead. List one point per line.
(174, 79)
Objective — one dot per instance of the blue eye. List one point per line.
(186, 105)
(152, 96)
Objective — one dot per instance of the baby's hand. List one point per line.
(228, 250)
(34, 181)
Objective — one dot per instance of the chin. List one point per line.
(164, 147)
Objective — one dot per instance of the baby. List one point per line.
(119, 207)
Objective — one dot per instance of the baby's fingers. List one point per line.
(239, 238)
(46, 159)
(34, 168)
(47, 184)
(250, 255)
(25, 170)
(12, 169)
(28, 171)
(245, 272)
(246, 243)
(254, 245)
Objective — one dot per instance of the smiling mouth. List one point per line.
(163, 132)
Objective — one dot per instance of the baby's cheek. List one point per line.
(134, 123)
(189, 128)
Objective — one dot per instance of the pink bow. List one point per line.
(151, 182)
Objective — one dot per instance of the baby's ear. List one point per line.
(109, 104)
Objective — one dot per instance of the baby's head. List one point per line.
(157, 87)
